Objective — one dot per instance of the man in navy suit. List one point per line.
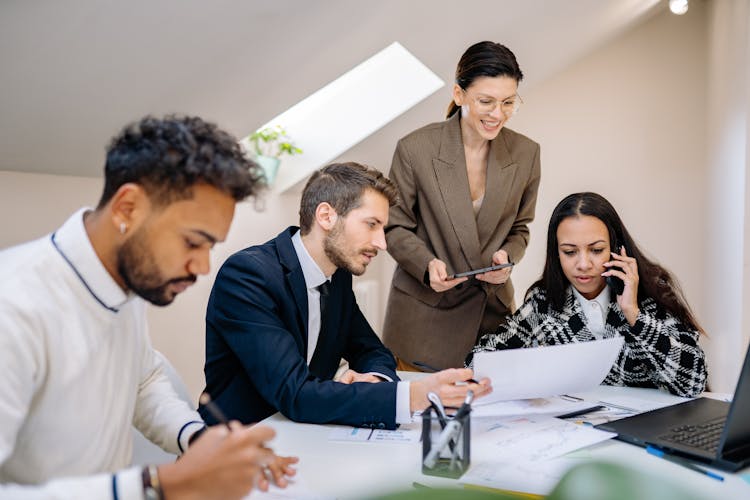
(274, 344)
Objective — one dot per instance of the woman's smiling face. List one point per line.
(487, 104)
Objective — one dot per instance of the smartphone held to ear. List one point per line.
(616, 284)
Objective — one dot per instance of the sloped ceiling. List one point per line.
(73, 73)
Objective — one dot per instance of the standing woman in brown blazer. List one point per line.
(468, 189)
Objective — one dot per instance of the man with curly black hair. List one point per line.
(76, 362)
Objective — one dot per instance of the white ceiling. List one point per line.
(74, 72)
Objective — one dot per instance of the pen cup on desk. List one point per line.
(446, 451)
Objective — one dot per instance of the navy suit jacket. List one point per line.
(256, 345)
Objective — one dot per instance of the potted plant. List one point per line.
(268, 145)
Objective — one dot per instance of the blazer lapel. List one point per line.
(497, 191)
(296, 282)
(453, 182)
(575, 319)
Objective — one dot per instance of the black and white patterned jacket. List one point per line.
(659, 351)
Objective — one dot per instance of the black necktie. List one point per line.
(323, 289)
(315, 362)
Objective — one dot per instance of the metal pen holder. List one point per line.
(446, 450)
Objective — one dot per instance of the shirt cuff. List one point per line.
(186, 432)
(403, 403)
(384, 377)
(127, 484)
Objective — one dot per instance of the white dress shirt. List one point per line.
(595, 310)
(314, 277)
(78, 371)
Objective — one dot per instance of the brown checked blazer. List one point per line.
(434, 218)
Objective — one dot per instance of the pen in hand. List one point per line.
(432, 369)
(214, 409)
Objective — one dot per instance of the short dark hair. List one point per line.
(654, 280)
(484, 59)
(342, 185)
(168, 156)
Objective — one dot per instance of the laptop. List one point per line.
(703, 429)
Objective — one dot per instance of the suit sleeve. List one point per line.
(522, 329)
(404, 245)
(659, 350)
(250, 307)
(518, 236)
(364, 350)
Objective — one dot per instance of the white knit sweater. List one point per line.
(77, 370)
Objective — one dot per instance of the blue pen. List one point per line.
(679, 461)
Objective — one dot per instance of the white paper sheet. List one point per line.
(532, 438)
(538, 406)
(407, 434)
(538, 372)
(536, 478)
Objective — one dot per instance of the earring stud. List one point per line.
(123, 228)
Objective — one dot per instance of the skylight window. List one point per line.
(350, 108)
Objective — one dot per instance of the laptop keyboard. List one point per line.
(705, 436)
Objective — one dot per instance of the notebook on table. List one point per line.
(703, 429)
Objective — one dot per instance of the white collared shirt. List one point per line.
(314, 277)
(78, 371)
(595, 310)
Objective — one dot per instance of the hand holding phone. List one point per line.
(481, 271)
(623, 262)
(616, 284)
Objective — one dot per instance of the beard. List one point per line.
(137, 266)
(334, 246)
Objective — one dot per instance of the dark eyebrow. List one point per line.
(493, 97)
(209, 237)
(588, 245)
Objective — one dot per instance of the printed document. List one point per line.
(538, 372)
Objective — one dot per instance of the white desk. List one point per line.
(353, 470)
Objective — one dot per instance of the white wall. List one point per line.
(657, 121)
(628, 122)
(32, 205)
(727, 275)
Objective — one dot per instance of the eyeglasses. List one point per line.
(508, 106)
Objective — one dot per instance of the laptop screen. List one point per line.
(737, 429)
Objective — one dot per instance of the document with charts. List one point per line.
(407, 433)
(531, 438)
(516, 453)
(538, 372)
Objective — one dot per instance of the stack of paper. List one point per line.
(538, 372)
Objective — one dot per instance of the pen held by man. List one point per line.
(450, 385)
(432, 369)
(253, 438)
